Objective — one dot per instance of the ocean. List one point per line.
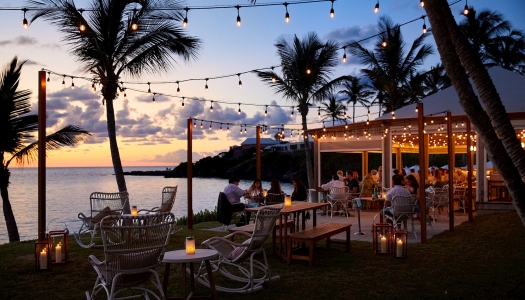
(68, 190)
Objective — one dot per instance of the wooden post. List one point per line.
(317, 171)
(386, 148)
(399, 161)
(190, 174)
(258, 151)
(423, 168)
(450, 142)
(41, 155)
(364, 164)
(468, 200)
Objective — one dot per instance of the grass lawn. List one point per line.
(480, 260)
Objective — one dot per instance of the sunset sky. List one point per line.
(154, 134)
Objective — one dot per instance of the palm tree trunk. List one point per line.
(353, 115)
(307, 149)
(333, 121)
(9, 216)
(454, 51)
(115, 155)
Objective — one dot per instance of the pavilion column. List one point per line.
(426, 144)
(481, 171)
(314, 196)
(258, 152)
(399, 160)
(41, 155)
(468, 200)
(451, 146)
(190, 174)
(364, 164)
(423, 158)
(386, 148)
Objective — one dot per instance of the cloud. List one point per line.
(20, 41)
(346, 35)
(79, 93)
(148, 98)
(176, 157)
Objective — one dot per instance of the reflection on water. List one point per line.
(68, 190)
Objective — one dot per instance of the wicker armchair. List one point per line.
(133, 248)
(168, 200)
(102, 205)
(237, 260)
(402, 209)
(338, 196)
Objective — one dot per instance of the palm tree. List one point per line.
(482, 28)
(109, 47)
(334, 110)
(306, 66)
(356, 93)
(389, 68)
(491, 119)
(508, 52)
(435, 80)
(16, 129)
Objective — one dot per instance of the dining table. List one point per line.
(320, 190)
(296, 208)
(380, 200)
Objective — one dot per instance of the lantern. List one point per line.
(190, 245)
(382, 238)
(287, 201)
(134, 210)
(400, 244)
(42, 255)
(59, 246)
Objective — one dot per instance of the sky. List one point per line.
(154, 134)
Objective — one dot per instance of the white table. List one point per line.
(180, 257)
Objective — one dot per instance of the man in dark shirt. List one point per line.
(353, 184)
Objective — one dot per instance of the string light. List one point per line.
(238, 16)
(393, 114)
(424, 26)
(206, 86)
(185, 21)
(48, 76)
(93, 87)
(319, 112)
(344, 55)
(422, 3)
(153, 99)
(178, 88)
(210, 124)
(287, 15)
(149, 88)
(134, 21)
(239, 111)
(291, 115)
(81, 25)
(24, 22)
(183, 102)
(465, 10)
(384, 43)
(201, 124)
(376, 9)
(72, 84)
(240, 82)
(332, 12)
(211, 106)
(324, 127)
(194, 123)
(266, 111)
(416, 108)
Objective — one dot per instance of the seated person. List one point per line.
(234, 193)
(275, 189)
(255, 190)
(461, 177)
(368, 185)
(335, 182)
(397, 190)
(341, 176)
(299, 190)
(352, 183)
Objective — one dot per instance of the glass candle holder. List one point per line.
(287, 201)
(190, 245)
(134, 210)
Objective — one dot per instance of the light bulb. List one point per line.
(185, 21)
(465, 10)
(376, 8)
(178, 88)
(424, 28)
(182, 102)
(240, 82)
(273, 79)
(422, 3)
(149, 88)
(332, 12)
(134, 26)
(344, 57)
(383, 43)
(238, 16)
(25, 24)
(287, 15)
(206, 86)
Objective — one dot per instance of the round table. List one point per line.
(180, 257)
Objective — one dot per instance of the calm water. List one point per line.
(68, 190)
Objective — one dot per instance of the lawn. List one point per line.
(479, 260)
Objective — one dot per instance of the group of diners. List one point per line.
(255, 195)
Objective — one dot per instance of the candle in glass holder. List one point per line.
(190, 245)
(43, 259)
(383, 244)
(399, 249)
(134, 210)
(58, 253)
(265, 192)
(287, 201)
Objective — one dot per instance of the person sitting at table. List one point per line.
(352, 183)
(234, 193)
(299, 190)
(368, 185)
(335, 182)
(374, 174)
(412, 184)
(356, 175)
(255, 190)
(341, 176)
(397, 190)
(461, 177)
(275, 187)
(415, 174)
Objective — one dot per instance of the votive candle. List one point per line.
(190, 245)
(287, 201)
(399, 249)
(43, 259)
(383, 244)
(134, 210)
(58, 253)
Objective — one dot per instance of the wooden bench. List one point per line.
(312, 235)
(250, 227)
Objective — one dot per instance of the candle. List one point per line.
(190, 245)
(134, 211)
(399, 248)
(265, 192)
(383, 244)
(58, 253)
(287, 201)
(43, 259)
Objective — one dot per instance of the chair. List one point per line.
(338, 196)
(237, 260)
(224, 210)
(440, 200)
(272, 198)
(102, 205)
(168, 200)
(402, 209)
(133, 248)
(460, 194)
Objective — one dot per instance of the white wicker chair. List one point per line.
(168, 200)
(338, 196)
(133, 248)
(402, 209)
(102, 205)
(440, 202)
(237, 260)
